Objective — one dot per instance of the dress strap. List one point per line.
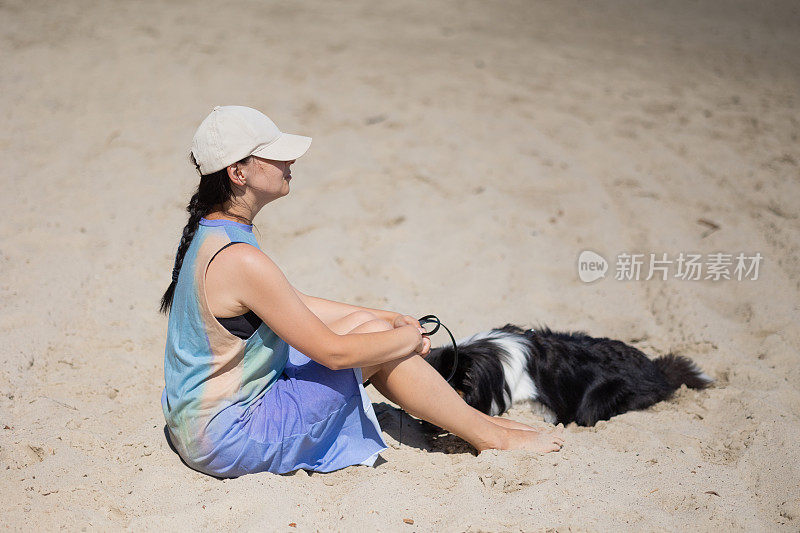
(229, 244)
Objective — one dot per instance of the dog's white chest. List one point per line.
(514, 358)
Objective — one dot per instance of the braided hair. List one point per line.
(214, 190)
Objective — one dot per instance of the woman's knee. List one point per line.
(361, 317)
(372, 326)
(348, 323)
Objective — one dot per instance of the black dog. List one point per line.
(578, 378)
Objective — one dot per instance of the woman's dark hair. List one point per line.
(214, 190)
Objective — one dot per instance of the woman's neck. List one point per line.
(241, 215)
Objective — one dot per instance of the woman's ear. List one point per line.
(235, 174)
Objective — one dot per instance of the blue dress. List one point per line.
(238, 406)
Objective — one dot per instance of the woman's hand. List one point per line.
(405, 320)
(424, 346)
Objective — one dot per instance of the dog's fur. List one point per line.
(576, 377)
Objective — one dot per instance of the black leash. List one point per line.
(428, 319)
(433, 319)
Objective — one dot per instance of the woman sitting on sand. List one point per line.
(260, 376)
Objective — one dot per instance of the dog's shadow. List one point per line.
(409, 431)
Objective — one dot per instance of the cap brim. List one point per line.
(287, 147)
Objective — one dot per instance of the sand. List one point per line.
(464, 154)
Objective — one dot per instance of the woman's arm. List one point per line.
(329, 311)
(258, 284)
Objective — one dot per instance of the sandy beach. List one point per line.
(465, 153)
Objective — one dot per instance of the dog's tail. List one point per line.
(679, 370)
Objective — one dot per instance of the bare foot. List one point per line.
(537, 440)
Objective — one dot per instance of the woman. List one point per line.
(261, 377)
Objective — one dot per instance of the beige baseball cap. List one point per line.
(232, 132)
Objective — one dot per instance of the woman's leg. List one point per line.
(421, 391)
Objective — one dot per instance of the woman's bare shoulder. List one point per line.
(243, 268)
(244, 255)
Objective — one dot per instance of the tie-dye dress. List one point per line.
(236, 406)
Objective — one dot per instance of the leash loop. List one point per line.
(427, 319)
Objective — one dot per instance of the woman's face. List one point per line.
(266, 178)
